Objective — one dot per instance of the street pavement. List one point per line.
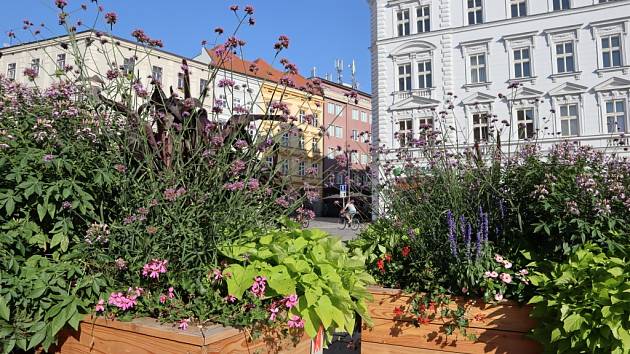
(331, 225)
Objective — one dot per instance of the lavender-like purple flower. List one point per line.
(466, 230)
(452, 232)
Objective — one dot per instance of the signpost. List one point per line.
(343, 190)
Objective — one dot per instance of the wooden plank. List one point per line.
(509, 317)
(106, 340)
(239, 345)
(432, 336)
(377, 348)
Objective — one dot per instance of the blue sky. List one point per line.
(320, 30)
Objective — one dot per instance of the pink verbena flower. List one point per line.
(237, 167)
(154, 268)
(100, 306)
(295, 322)
(249, 9)
(235, 186)
(111, 18)
(291, 301)
(253, 184)
(183, 324)
(240, 144)
(283, 202)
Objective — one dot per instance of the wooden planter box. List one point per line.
(499, 329)
(146, 336)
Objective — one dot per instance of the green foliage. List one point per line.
(329, 281)
(583, 305)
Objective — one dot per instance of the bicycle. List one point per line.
(354, 223)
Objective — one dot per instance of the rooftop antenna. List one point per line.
(314, 72)
(339, 67)
(353, 69)
(327, 76)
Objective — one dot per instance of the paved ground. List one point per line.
(331, 225)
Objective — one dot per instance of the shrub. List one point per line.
(583, 304)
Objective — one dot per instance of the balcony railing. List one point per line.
(424, 92)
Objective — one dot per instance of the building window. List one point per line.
(331, 108)
(424, 74)
(301, 168)
(340, 178)
(331, 153)
(478, 68)
(364, 159)
(522, 63)
(129, 65)
(402, 19)
(569, 120)
(315, 145)
(480, 127)
(284, 168)
(525, 118)
(269, 161)
(180, 81)
(616, 116)
(423, 18)
(339, 132)
(405, 131)
(301, 142)
(35, 66)
(156, 74)
(285, 139)
(354, 158)
(518, 7)
(565, 58)
(355, 135)
(475, 12)
(11, 70)
(611, 51)
(426, 125)
(315, 121)
(355, 114)
(203, 86)
(61, 61)
(315, 169)
(338, 109)
(404, 77)
(561, 5)
(364, 117)
(301, 115)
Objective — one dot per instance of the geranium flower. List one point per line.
(405, 251)
(291, 301)
(183, 324)
(295, 322)
(230, 298)
(398, 311)
(259, 285)
(100, 306)
(424, 320)
(154, 268)
(273, 312)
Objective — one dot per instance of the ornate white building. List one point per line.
(571, 59)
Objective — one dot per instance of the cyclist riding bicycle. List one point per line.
(350, 210)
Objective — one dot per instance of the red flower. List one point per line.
(398, 311)
(388, 258)
(405, 251)
(381, 265)
(432, 306)
(424, 320)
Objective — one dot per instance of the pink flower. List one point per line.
(498, 258)
(154, 268)
(183, 324)
(230, 298)
(111, 18)
(258, 288)
(283, 42)
(240, 144)
(283, 202)
(273, 312)
(295, 322)
(217, 275)
(494, 274)
(61, 3)
(523, 272)
(249, 9)
(506, 278)
(291, 301)
(237, 167)
(123, 301)
(235, 186)
(100, 306)
(226, 83)
(253, 184)
(162, 299)
(498, 297)
(171, 293)
(507, 264)
(234, 7)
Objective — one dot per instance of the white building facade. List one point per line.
(569, 58)
(102, 53)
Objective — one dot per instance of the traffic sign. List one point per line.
(343, 188)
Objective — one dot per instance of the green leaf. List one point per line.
(536, 299)
(41, 212)
(556, 334)
(37, 338)
(616, 271)
(10, 206)
(5, 313)
(240, 280)
(573, 322)
(311, 322)
(324, 310)
(281, 282)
